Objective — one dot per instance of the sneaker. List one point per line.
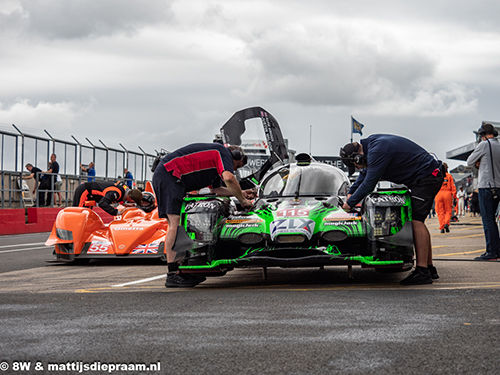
(487, 256)
(442, 230)
(433, 271)
(419, 276)
(447, 228)
(182, 280)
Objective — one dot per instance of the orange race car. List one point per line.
(79, 234)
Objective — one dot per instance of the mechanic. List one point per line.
(444, 200)
(486, 157)
(106, 193)
(90, 171)
(189, 168)
(402, 161)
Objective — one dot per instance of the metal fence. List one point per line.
(18, 148)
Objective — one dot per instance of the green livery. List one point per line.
(297, 222)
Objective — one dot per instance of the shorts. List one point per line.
(169, 192)
(57, 185)
(423, 192)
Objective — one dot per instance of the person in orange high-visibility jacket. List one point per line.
(444, 201)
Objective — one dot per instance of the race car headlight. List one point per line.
(383, 220)
(202, 225)
(64, 234)
(250, 238)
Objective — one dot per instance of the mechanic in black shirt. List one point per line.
(189, 168)
(106, 193)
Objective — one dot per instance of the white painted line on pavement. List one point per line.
(23, 244)
(139, 281)
(32, 248)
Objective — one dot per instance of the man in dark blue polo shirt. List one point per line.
(402, 161)
(189, 168)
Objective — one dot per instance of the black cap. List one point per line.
(347, 153)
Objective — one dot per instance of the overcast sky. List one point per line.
(162, 74)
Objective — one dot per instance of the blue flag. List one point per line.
(357, 127)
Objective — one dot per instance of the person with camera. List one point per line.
(486, 157)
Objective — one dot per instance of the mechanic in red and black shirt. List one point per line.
(189, 168)
(106, 193)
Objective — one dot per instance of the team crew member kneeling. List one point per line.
(106, 193)
(189, 168)
(399, 160)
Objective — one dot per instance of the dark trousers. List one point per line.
(488, 207)
(44, 196)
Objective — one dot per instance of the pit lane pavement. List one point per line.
(23, 269)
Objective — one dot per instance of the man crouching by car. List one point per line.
(189, 168)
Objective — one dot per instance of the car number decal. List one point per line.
(99, 247)
(293, 212)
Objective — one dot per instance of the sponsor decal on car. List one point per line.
(128, 228)
(302, 226)
(342, 216)
(150, 248)
(337, 223)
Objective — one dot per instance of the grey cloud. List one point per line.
(339, 69)
(61, 19)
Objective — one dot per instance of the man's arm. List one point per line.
(107, 200)
(233, 187)
(476, 155)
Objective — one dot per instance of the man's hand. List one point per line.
(123, 211)
(346, 207)
(246, 204)
(249, 194)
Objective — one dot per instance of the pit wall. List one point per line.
(36, 220)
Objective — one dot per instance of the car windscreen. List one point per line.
(314, 179)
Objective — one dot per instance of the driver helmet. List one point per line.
(148, 203)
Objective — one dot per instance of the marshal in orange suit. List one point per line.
(444, 201)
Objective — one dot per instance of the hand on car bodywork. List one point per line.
(346, 207)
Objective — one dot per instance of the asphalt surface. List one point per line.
(297, 321)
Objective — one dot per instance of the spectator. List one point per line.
(35, 173)
(49, 182)
(128, 177)
(486, 157)
(90, 171)
(474, 203)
